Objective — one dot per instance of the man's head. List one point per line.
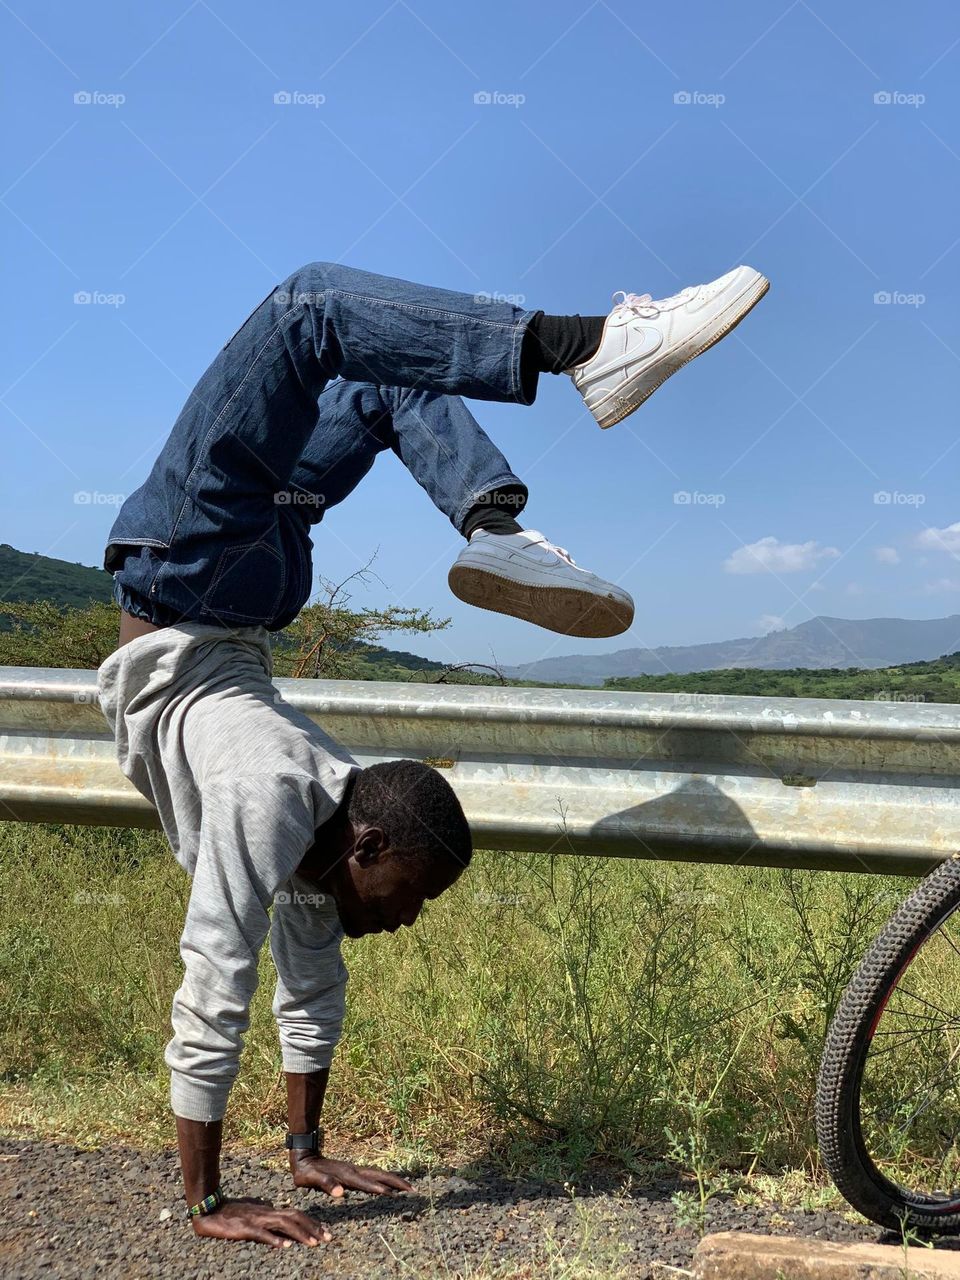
(402, 838)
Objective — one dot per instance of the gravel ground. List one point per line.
(116, 1212)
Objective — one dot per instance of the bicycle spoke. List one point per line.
(905, 991)
(921, 1050)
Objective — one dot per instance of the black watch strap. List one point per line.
(312, 1141)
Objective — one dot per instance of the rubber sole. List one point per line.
(753, 296)
(562, 609)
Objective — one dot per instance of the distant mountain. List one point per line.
(818, 643)
(27, 575)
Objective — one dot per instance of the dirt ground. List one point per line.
(117, 1212)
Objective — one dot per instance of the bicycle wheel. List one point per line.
(888, 1090)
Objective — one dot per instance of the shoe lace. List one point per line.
(541, 541)
(644, 304)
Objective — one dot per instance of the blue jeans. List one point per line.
(267, 441)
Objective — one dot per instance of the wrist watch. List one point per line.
(311, 1142)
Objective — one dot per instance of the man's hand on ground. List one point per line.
(248, 1219)
(334, 1176)
(305, 1093)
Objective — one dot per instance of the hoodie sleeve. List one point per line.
(254, 831)
(309, 1004)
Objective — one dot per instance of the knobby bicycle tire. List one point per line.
(839, 1133)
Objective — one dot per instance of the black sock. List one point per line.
(553, 344)
(493, 511)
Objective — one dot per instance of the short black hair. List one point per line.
(416, 807)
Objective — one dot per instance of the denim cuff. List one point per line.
(471, 500)
(140, 607)
(526, 376)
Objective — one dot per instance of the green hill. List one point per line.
(393, 664)
(27, 575)
(936, 681)
(30, 576)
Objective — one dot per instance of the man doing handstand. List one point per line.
(213, 552)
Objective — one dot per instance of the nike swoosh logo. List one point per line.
(650, 340)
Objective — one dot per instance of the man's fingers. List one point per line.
(332, 1176)
(299, 1226)
(264, 1236)
(385, 1182)
(372, 1181)
(328, 1183)
(314, 1230)
(392, 1179)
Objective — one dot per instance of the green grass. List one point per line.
(937, 681)
(545, 1014)
(588, 1249)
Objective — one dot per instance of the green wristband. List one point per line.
(207, 1205)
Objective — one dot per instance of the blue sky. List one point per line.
(636, 147)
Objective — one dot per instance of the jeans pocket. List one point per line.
(248, 583)
(116, 553)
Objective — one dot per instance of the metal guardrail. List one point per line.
(870, 786)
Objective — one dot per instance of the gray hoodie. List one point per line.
(241, 781)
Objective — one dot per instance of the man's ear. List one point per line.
(370, 845)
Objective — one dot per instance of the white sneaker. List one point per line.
(525, 575)
(645, 340)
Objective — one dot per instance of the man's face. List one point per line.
(377, 889)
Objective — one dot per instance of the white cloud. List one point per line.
(770, 622)
(855, 589)
(770, 555)
(947, 539)
(940, 586)
(887, 555)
